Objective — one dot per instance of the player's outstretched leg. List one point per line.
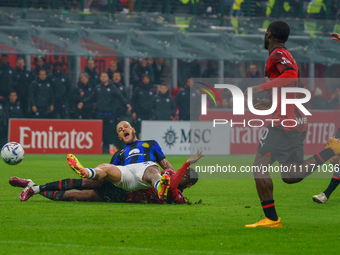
(309, 165)
(108, 171)
(78, 167)
(18, 182)
(163, 187)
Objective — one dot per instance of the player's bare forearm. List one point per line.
(165, 164)
(263, 104)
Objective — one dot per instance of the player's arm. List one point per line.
(160, 158)
(176, 178)
(263, 104)
(165, 164)
(287, 77)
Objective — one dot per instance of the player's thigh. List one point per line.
(82, 195)
(110, 172)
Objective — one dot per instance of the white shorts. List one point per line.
(132, 175)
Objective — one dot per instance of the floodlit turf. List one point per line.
(41, 226)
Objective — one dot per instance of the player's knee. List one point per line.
(103, 167)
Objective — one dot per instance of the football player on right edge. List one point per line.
(283, 143)
(323, 197)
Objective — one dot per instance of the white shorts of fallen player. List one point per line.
(132, 175)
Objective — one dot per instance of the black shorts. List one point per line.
(283, 145)
(108, 192)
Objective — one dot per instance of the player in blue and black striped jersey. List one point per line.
(137, 151)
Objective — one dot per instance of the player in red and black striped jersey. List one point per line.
(105, 191)
(283, 143)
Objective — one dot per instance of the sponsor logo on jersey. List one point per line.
(134, 151)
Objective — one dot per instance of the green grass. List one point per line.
(41, 226)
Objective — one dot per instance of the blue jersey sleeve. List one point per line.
(115, 160)
(158, 152)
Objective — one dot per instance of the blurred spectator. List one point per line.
(61, 86)
(112, 68)
(158, 67)
(140, 69)
(41, 97)
(3, 126)
(253, 72)
(117, 81)
(14, 109)
(211, 71)
(102, 5)
(108, 100)
(318, 102)
(316, 9)
(335, 99)
(294, 8)
(90, 69)
(39, 63)
(188, 69)
(22, 81)
(164, 104)
(6, 77)
(183, 99)
(235, 10)
(81, 100)
(143, 100)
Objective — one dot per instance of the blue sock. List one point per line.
(90, 172)
(157, 184)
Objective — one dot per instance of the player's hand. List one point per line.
(263, 104)
(336, 37)
(129, 108)
(34, 109)
(195, 158)
(51, 108)
(255, 90)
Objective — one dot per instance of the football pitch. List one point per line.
(215, 226)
